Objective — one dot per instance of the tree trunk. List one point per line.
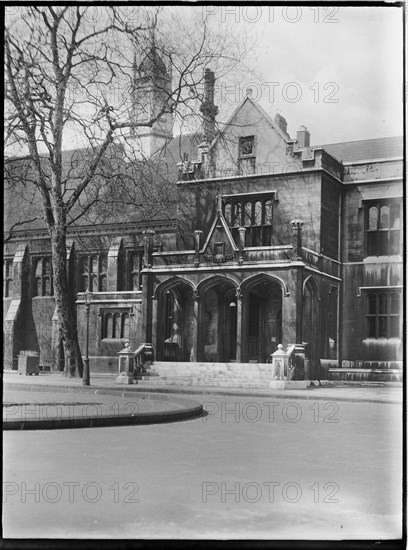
(65, 311)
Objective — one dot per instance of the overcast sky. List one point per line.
(337, 70)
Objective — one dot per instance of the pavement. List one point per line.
(251, 468)
(367, 392)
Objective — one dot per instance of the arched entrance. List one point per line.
(217, 321)
(175, 321)
(262, 318)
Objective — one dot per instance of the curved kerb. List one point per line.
(188, 409)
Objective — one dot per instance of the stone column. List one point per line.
(239, 325)
(292, 307)
(196, 298)
(297, 226)
(197, 246)
(147, 288)
(241, 245)
(147, 303)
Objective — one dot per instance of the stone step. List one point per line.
(238, 375)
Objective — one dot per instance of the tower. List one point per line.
(152, 91)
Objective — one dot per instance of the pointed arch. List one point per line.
(253, 280)
(215, 280)
(310, 280)
(170, 283)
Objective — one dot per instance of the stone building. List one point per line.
(274, 240)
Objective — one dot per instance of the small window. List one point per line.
(246, 146)
(246, 156)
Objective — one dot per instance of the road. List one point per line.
(252, 468)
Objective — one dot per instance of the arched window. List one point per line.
(255, 214)
(248, 214)
(383, 229)
(268, 212)
(237, 221)
(94, 264)
(373, 218)
(258, 213)
(384, 217)
(227, 213)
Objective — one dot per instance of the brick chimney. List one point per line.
(208, 108)
(281, 122)
(303, 137)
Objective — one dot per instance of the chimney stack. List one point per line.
(281, 122)
(208, 108)
(303, 137)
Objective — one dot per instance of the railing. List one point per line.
(143, 354)
(288, 365)
(184, 257)
(321, 262)
(171, 351)
(268, 253)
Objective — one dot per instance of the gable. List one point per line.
(232, 151)
(219, 244)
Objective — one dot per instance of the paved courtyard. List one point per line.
(253, 467)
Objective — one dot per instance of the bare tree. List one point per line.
(70, 73)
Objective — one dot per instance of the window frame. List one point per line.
(257, 234)
(40, 277)
(375, 239)
(98, 278)
(379, 316)
(246, 160)
(118, 317)
(131, 273)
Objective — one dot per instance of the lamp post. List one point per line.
(86, 375)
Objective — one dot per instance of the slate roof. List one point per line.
(353, 151)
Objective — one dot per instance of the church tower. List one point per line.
(152, 90)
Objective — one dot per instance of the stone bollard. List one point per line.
(126, 365)
(279, 363)
(282, 375)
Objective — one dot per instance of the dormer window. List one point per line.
(246, 155)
